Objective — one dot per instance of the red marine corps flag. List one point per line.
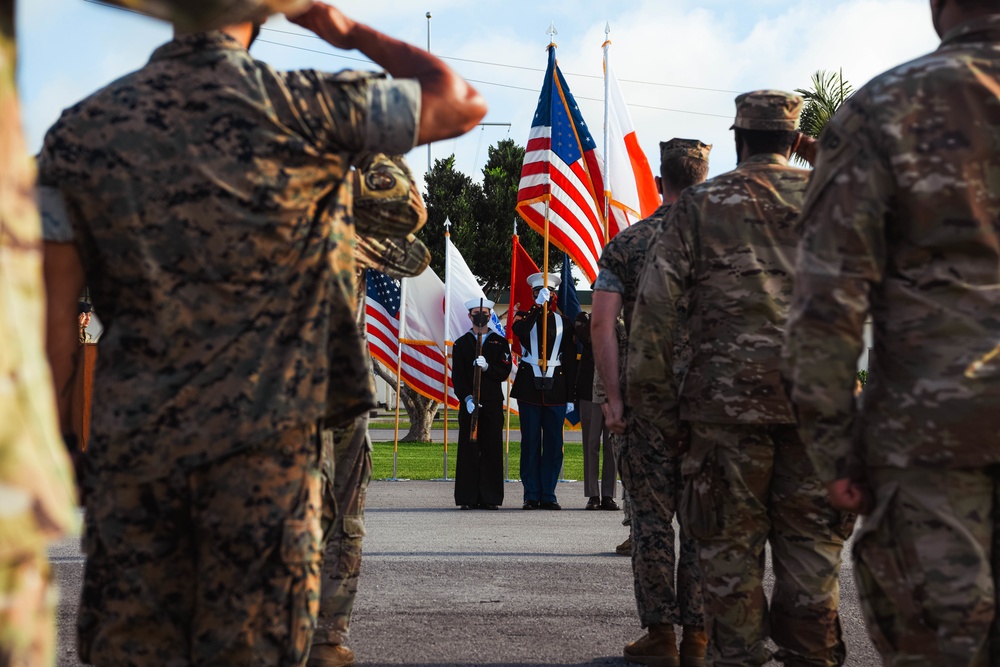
(561, 182)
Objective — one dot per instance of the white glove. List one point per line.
(543, 295)
(481, 362)
(470, 405)
(569, 407)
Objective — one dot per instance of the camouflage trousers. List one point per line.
(650, 469)
(216, 566)
(347, 469)
(746, 486)
(927, 561)
(27, 610)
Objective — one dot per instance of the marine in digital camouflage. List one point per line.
(722, 270)
(220, 188)
(37, 495)
(347, 463)
(648, 463)
(900, 225)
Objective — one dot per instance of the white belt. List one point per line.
(532, 356)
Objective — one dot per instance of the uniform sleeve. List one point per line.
(611, 270)
(651, 385)
(461, 369)
(56, 225)
(354, 111)
(841, 255)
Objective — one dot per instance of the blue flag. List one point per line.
(569, 305)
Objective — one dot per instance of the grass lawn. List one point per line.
(404, 423)
(425, 460)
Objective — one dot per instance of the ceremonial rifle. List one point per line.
(477, 381)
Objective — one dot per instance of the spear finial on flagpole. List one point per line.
(552, 32)
(447, 226)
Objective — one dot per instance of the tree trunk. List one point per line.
(420, 410)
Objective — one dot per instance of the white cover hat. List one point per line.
(537, 280)
(474, 303)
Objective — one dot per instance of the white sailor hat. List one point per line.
(475, 303)
(536, 280)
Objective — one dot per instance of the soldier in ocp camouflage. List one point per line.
(901, 224)
(347, 463)
(37, 499)
(208, 196)
(727, 247)
(649, 462)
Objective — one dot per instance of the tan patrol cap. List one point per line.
(773, 110)
(678, 148)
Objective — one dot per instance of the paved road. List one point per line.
(445, 587)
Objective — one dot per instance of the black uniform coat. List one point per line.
(564, 385)
(479, 467)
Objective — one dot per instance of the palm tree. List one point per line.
(829, 90)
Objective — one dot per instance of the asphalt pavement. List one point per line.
(441, 586)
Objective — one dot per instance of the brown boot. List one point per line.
(625, 548)
(693, 646)
(330, 655)
(657, 648)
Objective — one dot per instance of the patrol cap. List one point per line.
(197, 15)
(536, 280)
(678, 148)
(770, 110)
(476, 303)
(83, 307)
(386, 200)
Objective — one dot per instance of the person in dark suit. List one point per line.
(479, 468)
(545, 390)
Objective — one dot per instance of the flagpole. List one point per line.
(607, 142)
(510, 304)
(543, 356)
(399, 373)
(447, 332)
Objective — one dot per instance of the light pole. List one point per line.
(428, 51)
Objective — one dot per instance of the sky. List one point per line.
(680, 62)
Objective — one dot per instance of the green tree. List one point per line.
(453, 196)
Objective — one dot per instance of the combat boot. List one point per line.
(330, 655)
(693, 646)
(658, 648)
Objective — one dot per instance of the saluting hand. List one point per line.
(327, 22)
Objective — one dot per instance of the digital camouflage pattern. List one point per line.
(727, 249)
(214, 228)
(759, 487)
(347, 469)
(37, 495)
(651, 472)
(901, 225)
(245, 591)
(649, 465)
(192, 15)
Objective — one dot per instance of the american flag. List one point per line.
(423, 365)
(562, 170)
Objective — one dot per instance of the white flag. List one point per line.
(462, 286)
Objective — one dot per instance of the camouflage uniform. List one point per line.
(37, 498)
(205, 14)
(385, 199)
(900, 223)
(649, 462)
(727, 247)
(209, 200)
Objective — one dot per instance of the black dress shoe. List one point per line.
(551, 505)
(488, 507)
(608, 503)
(594, 503)
(530, 505)
(465, 507)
